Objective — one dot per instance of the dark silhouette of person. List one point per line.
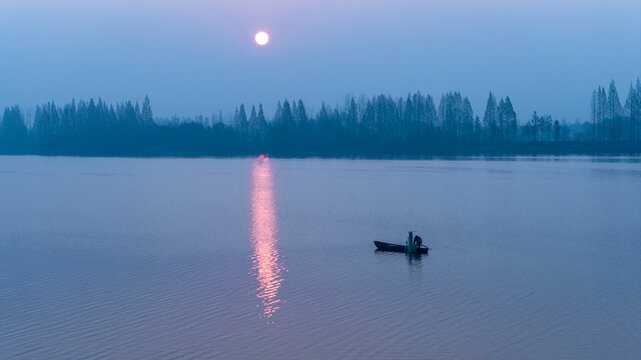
(418, 241)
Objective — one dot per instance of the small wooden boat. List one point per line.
(383, 246)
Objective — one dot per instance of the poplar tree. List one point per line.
(489, 119)
(147, 115)
(13, 131)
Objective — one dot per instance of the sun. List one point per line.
(261, 38)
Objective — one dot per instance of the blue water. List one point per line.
(245, 258)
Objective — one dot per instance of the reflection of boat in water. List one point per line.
(267, 265)
(383, 246)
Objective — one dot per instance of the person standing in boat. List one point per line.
(414, 243)
(418, 242)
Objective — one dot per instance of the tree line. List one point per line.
(610, 120)
(378, 126)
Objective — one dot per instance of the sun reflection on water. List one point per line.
(267, 265)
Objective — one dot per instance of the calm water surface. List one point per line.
(244, 258)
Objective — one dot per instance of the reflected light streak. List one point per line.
(267, 265)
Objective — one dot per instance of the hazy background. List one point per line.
(198, 57)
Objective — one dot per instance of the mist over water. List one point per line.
(235, 258)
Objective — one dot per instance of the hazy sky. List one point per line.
(198, 57)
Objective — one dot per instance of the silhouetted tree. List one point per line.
(633, 110)
(13, 131)
(490, 119)
(613, 114)
(254, 127)
(507, 120)
(147, 115)
(557, 130)
(241, 122)
(533, 127)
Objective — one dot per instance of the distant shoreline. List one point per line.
(380, 127)
(464, 150)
